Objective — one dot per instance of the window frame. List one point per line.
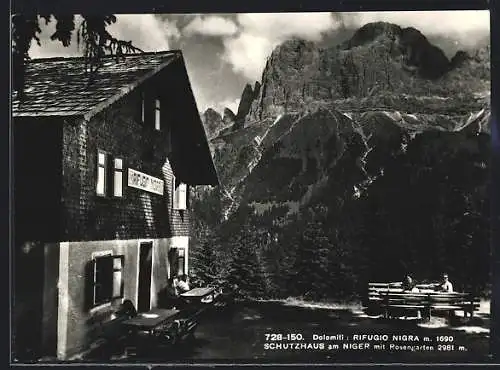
(157, 114)
(175, 195)
(117, 171)
(105, 173)
(143, 107)
(181, 261)
(113, 295)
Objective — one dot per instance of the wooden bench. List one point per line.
(112, 334)
(173, 332)
(150, 331)
(466, 302)
(389, 297)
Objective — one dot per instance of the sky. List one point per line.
(223, 52)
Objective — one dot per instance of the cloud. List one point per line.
(228, 103)
(146, 32)
(247, 54)
(279, 26)
(49, 48)
(261, 33)
(211, 25)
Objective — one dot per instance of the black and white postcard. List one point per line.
(251, 188)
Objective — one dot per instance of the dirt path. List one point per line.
(241, 334)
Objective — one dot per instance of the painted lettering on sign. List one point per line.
(145, 182)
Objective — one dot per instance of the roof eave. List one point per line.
(47, 114)
(215, 180)
(125, 90)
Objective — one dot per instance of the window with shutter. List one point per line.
(181, 262)
(107, 279)
(118, 178)
(180, 195)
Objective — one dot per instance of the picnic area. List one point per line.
(236, 332)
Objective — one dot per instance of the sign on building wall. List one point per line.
(145, 182)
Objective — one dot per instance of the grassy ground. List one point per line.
(238, 334)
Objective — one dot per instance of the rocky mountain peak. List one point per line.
(370, 32)
(211, 114)
(355, 136)
(293, 46)
(379, 58)
(248, 96)
(417, 52)
(212, 121)
(459, 58)
(229, 117)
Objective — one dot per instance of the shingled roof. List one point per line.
(60, 86)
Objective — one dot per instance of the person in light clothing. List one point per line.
(183, 285)
(445, 285)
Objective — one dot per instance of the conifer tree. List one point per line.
(311, 279)
(245, 272)
(91, 34)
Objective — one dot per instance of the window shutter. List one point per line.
(103, 279)
(181, 260)
(90, 285)
(179, 195)
(118, 283)
(182, 196)
(157, 114)
(118, 177)
(174, 192)
(101, 175)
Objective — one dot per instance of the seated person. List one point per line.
(172, 293)
(409, 284)
(445, 285)
(126, 309)
(183, 285)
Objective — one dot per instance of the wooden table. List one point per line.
(199, 295)
(150, 320)
(158, 327)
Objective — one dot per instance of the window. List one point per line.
(101, 173)
(179, 195)
(107, 279)
(181, 262)
(177, 262)
(118, 178)
(143, 108)
(157, 114)
(115, 174)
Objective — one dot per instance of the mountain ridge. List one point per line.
(357, 144)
